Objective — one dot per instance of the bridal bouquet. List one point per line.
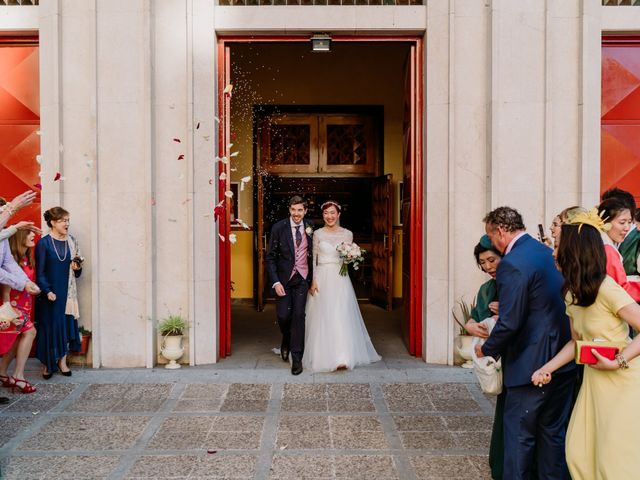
(350, 253)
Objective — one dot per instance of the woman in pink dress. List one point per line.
(18, 345)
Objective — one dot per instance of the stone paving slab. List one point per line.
(227, 424)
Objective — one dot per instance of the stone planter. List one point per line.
(172, 350)
(463, 347)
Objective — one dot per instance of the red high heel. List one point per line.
(7, 381)
(25, 388)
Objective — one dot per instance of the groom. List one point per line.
(290, 266)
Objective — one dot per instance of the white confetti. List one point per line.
(216, 119)
(245, 226)
(223, 176)
(246, 179)
(221, 237)
(232, 238)
(228, 194)
(229, 146)
(206, 137)
(39, 159)
(234, 154)
(38, 132)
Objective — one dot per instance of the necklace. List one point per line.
(66, 249)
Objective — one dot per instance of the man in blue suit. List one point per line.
(532, 328)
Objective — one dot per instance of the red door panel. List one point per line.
(620, 115)
(19, 122)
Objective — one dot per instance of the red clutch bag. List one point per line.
(587, 357)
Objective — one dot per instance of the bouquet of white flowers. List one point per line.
(350, 253)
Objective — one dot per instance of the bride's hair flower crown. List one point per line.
(589, 217)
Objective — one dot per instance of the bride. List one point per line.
(336, 336)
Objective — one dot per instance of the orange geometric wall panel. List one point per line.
(620, 115)
(20, 122)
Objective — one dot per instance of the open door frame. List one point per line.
(413, 298)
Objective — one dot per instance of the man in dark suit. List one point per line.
(532, 328)
(290, 266)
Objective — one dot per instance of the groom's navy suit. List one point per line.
(280, 260)
(532, 328)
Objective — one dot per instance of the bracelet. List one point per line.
(622, 362)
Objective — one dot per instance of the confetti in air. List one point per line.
(232, 238)
(198, 126)
(244, 180)
(177, 140)
(38, 186)
(234, 154)
(228, 194)
(223, 176)
(228, 89)
(181, 157)
(221, 237)
(38, 132)
(39, 159)
(57, 177)
(216, 119)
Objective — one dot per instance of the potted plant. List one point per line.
(461, 314)
(172, 328)
(85, 338)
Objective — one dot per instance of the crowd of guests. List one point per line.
(38, 282)
(555, 301)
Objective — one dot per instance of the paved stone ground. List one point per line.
(248, 417)
(205, 423)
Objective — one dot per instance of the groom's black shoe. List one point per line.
(284, 351)
(296, 368)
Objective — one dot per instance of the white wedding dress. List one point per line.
(335, 334)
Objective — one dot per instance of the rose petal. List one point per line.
(223, 176)
(228, 89)
(234, 154)
(246, 179)
(37, 185)
(57, 177)
(228, 194)
(232, 238)
(177, 140)
(198, 126)
(221, 237)
(181, 157)
(39, 159)
(216, 119)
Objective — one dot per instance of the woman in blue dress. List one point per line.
(58, 263)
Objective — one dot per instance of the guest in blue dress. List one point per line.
(58, 263)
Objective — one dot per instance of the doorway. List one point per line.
(274, 74)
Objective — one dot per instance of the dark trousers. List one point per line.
(290, 313)
(535, 422)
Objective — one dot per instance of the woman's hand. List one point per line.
(493, 306)
(51, 296)
(32, 288)
(24, 225)
(603, 362)
(540, 377)
(314, 288)
(22, 200)
(476, 329)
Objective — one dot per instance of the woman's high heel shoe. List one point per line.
(66, 374)
(23, 386)
(7, 381)
(47, 375)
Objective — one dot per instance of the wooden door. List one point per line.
(224, 221)
(347, 144)
(412, 204)
(260, 240)
(381, 245)
(289, 143)
(620, 110)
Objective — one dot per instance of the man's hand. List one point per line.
(540, 377)
(32, 288)
(279, 290)
(51, 296)
(24, 225)
(479, 353)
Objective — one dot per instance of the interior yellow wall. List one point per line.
(290, 74)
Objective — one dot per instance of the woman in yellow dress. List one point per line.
(602, 435)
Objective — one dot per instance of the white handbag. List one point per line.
(487, 369)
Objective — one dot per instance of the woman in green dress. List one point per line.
(488, 258)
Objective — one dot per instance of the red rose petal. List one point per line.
(181, 157)
(57, 177)
(198, 126)
(177, 140)
(37, 185)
